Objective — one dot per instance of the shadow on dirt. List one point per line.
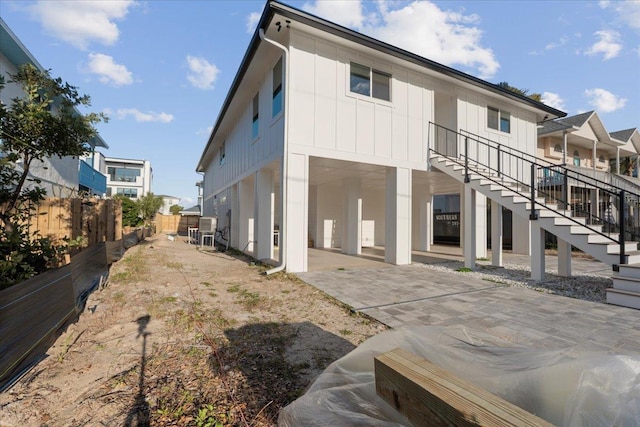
(139, 414)
(278, 362)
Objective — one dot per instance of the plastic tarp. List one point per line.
(564, 387)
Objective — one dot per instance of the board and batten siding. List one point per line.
(327, 120)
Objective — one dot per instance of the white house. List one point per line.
(59, 176)
(324, 135)
(128, 177)
(337, 140)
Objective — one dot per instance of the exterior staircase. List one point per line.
(581, 232)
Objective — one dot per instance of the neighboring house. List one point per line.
(192, 211)
(330, 137)
(60, 177)
(128, 177)
(167, 202)
(200, 185)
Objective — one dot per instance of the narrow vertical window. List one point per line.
(255, 126)
(276, 100)
(492, 118)
(360, 79)
(222, 153)
(576, 158)
(505, 122)
(381, 85)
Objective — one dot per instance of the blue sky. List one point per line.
(161, 69)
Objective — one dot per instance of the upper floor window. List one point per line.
(576, 158)
(369, 82)
(123, 174)
(557, 148)
(498, 120)
(255, 125)
(222, 152)
(601, 159)
(132, 193)
(276, 100)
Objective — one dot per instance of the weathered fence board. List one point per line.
(176, 223)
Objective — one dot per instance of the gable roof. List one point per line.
(273, 8)
(577, 122)
(623, 135)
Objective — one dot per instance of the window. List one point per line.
(601, 159)
(132, 193)
(276, 100)
(498, 120)
(222, 152)
(557, 148)
(576, 158)
(255, 126)
(369, 82)
(123, 174)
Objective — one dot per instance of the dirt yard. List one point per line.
(183, 337)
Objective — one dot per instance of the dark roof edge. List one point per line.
(338, 30)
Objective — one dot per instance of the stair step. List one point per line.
(599, 238)
(614, 248)
(623, 298)
(569, 221)
(629, 284)
(630, 271)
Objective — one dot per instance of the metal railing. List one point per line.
(604, 208)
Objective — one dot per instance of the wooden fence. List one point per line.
(96, 220)
(175, 223)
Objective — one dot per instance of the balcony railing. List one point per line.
(92, 179)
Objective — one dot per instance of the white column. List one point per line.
(520, 235)
(245, 200)
(564, 258)
(496, 234)
(420, 235)
(398, 216)
(469, 219)
(565, 146)
(352, 230)
(537, 251)
(297, 201)
(593, 154)
(618, 160)
(264, 207)
(235, 217)
(481, 225)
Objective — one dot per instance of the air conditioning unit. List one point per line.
(208, 224)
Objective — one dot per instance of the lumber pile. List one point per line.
(431, 396)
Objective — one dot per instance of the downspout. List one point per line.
(284, 172)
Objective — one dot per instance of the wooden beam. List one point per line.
(431, 396)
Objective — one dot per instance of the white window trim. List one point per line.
(500, 110)
(370, 98)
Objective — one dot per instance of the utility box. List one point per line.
(208, 224)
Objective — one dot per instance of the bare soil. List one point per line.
(181, 336)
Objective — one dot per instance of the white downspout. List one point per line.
(284, 172)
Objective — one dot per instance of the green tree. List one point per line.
(523, 92)
(148, 205)
(175, 209)
(130, 211)
(41, 124)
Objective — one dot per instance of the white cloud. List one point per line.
(202, 74)
(608, 44)
(82, 22)
(139, 116)
(205, 132)
(604, 101)
(252, 20)
(108, 71)
(629, 12)
(553, 100)
(344, 12)
(448, 37)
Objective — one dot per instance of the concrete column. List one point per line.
(565, 146)
(520, 235)
(296, 235)
(235, 217)
(496, 234)
(422, 222)
(537, 251)
(352, 230)
(264, 200)
(593, 155)
(481, 225)
(469, 220)
(245, 200)
(398, 216)
(595, 206)
(564, 258)
(618, 160)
